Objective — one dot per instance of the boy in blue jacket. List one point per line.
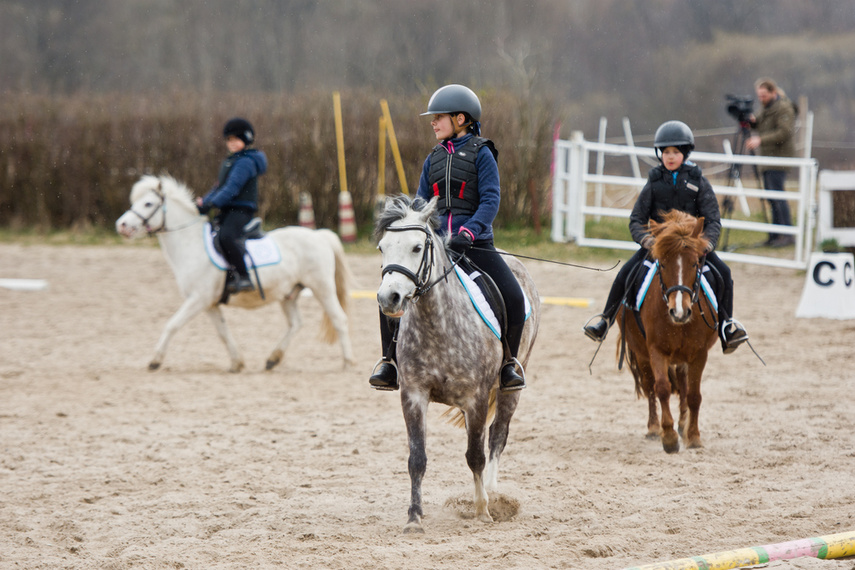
(236, 197)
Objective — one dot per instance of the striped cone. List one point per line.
(346, 221)
(306, 216)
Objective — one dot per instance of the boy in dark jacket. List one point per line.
(236, 197)
(676, 184)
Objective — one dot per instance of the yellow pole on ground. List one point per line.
(339, 139)
(394, 141)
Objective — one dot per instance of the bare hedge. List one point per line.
(69, 162)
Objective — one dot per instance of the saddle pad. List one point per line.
(653, 267)
(260, 252)
(479, 301)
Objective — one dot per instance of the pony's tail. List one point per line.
(457, 418)
(343, 280)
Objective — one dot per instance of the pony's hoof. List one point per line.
(485, 518)
(236, 367)
(153, 365)
(670, 442)
(695, 444)
(271, 364)
(413, 528)
(652, 435)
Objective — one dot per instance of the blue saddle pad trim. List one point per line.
(479, 301)
(653, 267)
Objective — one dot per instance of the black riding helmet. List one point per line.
(453, 99)
(674, 133)
(240, 128)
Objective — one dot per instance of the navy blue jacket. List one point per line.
(479, 224)
(239, 189)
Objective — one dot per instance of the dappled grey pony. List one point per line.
(445, 352)
(310, 259)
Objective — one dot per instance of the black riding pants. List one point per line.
(483, 254)
(231, 239)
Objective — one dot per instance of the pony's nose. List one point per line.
(680, 316)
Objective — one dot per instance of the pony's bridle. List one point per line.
(420, 277)
(693, 292)
(145, 219)
(160, 207)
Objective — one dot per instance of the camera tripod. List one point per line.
(734, 175)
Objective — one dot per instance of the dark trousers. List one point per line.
(230, 237)
(775, 180)
(483, 254)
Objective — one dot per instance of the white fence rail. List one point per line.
(577, 195)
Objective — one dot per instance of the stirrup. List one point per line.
(516, 363)
(590, 335)
(387, 387)
(731, 344)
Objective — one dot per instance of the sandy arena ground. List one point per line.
(106, 465)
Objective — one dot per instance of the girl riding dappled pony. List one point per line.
(676, 184)
(462, 172)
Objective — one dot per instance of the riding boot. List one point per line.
(385, 373)
(240, 283)
(597, 331)
(731, 331)
(509, 379)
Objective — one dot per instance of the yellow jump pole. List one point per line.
(394, 142)
(380, 200)
(346, 220)
(827, 547)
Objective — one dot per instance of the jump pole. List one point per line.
(393, 140)
(827, 547)
(380, 200)
(346, 220)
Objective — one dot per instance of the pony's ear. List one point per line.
(429, 209)
(699, 227)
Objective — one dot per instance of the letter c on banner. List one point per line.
(847, 274)
(816, 271)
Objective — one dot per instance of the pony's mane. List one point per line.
(170, 187)
(399, 207)
(675, 233)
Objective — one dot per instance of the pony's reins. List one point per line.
(547, 260)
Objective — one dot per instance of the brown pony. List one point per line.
(668, 340)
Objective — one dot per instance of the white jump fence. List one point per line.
(577, 196)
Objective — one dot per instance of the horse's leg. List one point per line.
(506, 405)
(216, 316)
(695, 372)
(338, 320)
(415, 405)
(191, 307)
(476, 422)
(293, 324)
(678, 377)
(662, 387)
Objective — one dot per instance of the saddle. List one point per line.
(256, 248)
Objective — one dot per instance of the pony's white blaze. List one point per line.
(312, 259)
(679, 312)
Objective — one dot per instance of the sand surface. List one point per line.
(106, 465)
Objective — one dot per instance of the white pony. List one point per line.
(312, 259)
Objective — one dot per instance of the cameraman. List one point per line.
(775, 125)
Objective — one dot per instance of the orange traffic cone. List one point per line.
(306, 216)
(346, 221)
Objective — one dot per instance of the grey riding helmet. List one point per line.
(674, 133)
(454, 99)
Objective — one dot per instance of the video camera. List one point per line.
(740, 108)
